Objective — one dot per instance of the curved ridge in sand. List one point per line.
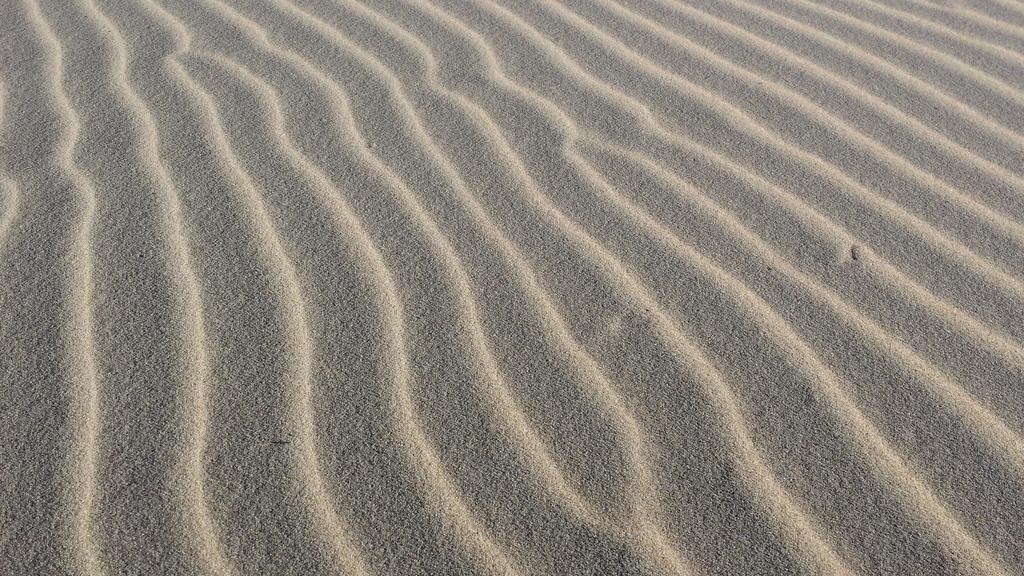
(511, 287)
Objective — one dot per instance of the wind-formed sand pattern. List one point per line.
(387, 287)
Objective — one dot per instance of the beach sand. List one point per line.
(519, 287)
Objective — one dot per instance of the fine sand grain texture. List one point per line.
(554, 287)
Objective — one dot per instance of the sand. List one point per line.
(511, 287)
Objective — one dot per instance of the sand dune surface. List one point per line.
(388, 287)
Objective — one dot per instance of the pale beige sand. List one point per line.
(511, 287)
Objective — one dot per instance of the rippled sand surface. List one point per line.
(393, 287)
